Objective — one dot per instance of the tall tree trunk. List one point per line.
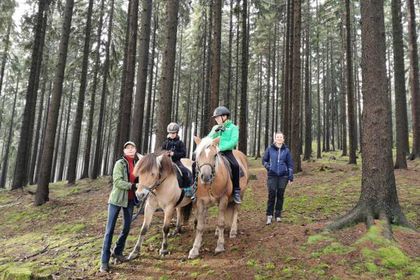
(308, 107)
(168, 64)
(207, 110)
(3, 174)
(57, 141)
(399, 87)
(24, 147)
(39, 124)
(148, 132)
(98, 155)
(75, 138)
(287, 76)
(5, 54)
(88, 144)
(66, 131)
(228, 94)
(243, 131)
(145, 29)
(350, 90)
(259, 101)
(267, 97)
(378, 198)
(237, 69)
(127, 94)
(295, 139)
(318, 91)
(44, 176)
(215, 53)
(414, 78)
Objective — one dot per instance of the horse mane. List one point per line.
(153, 161)
(204, 144)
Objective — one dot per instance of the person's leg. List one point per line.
(271, 198)
(186, 175)
(113, 212)
(127, 214)
(281, 187)
(235, 176)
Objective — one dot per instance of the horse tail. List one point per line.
(186, 211)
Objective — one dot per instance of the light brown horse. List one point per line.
(157, 176)
(215, 187)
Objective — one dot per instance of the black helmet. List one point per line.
(172, 127)
(220, 111)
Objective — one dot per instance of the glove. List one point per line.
(220, 128)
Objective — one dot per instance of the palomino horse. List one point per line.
(157, 176)
(215, 187)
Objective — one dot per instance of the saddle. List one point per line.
(227, 163)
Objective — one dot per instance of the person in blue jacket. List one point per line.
(279, 164)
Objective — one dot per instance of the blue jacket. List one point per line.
(278, 161)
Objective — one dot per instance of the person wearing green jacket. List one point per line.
(122, 197)
(228, 133)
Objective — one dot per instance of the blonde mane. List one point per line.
(204, 144)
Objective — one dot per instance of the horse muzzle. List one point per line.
(142, 194)
(206, 179)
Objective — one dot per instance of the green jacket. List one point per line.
(121, 184)
(228, 138)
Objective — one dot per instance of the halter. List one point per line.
(154, 186)
(213, 170)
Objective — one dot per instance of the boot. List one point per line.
(104, 268)
(269, 220)
(237, 196)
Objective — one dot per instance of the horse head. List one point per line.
(206, 158)
(152, 170)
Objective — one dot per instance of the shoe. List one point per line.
(237, 197)
(104, 268)
(118, 258)
(269, 220)
(278, 219)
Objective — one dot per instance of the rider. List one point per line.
(229, 136)
(176, 150)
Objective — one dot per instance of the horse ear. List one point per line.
(216, 141)
(197, 140)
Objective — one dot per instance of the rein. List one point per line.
(154, 186)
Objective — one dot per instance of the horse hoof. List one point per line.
(233, 235)
(163, 252)
(193, 254)
(219, 250)
(132, 256)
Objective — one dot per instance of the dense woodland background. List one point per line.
(79, 78)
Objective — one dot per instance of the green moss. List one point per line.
(14, 272)
(313, 239)
(270, 266)
(252, 263)
(69, 228)
(194, 274)
(371, 267)
(393, 257)
(195, 262)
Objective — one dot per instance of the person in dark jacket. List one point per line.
(175, 148)
(123, 198)
(279, 164)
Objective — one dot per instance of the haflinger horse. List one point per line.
(157, 176)
(214, 186)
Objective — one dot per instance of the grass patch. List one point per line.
(69, 229)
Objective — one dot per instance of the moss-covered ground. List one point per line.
(63, 238)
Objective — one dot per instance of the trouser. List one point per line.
(276, 186)
(234, 165)
(113, 211)
(187, 179)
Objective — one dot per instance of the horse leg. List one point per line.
(221, 225)
(234, 227)
(201, 213)
(178, 225)
(148, 215)
(168, 212)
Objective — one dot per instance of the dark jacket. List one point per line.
(175, 145)
(278, 161)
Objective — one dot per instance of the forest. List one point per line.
(340, 80)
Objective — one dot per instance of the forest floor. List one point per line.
(63, 238)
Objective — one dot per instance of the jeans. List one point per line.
(113, 211)
(276, 186)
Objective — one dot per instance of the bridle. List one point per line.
(213, 170)
(154, 186)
